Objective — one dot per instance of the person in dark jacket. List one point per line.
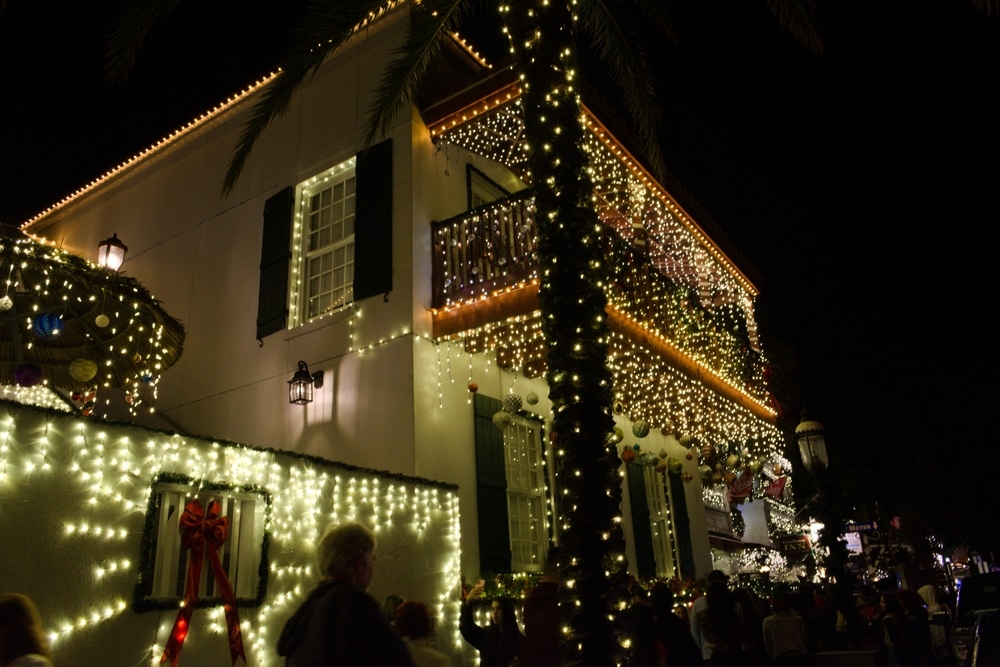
(499, 644)
(340, 623)
(682, 651)
(540, 647)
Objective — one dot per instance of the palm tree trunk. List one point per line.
(573, 301)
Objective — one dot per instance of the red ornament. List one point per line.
(552, 436)
(473, 387)
(628, 455)
(689, 456)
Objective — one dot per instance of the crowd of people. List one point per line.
(732, 626)
(728, 626)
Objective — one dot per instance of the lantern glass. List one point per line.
(812, 448)
(111, 253)
(300, 391)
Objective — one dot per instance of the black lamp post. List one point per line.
(812, 445)
(111, 253)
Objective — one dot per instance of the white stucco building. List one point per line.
(404, 273)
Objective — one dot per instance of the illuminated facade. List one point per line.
(404, 272)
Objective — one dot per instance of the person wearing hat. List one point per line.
(786, 635)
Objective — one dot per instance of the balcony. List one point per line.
(486, 267)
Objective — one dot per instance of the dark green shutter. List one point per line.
(275, 253)
(642, 531)
(373, 222)
(491, 497)
(682, 524)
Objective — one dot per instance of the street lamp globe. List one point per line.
(812, 444)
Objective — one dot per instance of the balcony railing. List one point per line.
(488, 248)
(495, 246)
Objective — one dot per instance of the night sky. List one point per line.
(862, 184)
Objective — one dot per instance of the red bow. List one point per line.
(197, 532)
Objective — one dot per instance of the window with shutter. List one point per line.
(165, 560)
(327, 242)
(512, 501)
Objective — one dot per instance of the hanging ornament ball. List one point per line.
(732, 460)
(82, 370)
(473, 387)
(28, 375)
(729, 478)
(705, 472)
(649, 459)
(756, 465)
(636, 447)
(676, 465)
(146, 377)
(628, 455)
(687, 477)
(618, 436)
(689, 456)
(502, 419)
(663, 453)
(660, 466)
(640, 429)
(6, 303)
(77, 396)
(102, 320)
(708, 451)
(47, 325)
(687, 441)
(511, 403)
(531, 398)
(716, 477)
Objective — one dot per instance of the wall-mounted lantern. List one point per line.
(300, 387)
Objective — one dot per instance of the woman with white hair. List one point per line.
(340, 623)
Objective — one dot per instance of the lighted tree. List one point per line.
(543, 37)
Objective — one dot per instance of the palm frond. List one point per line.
(617, 39)
(429, 21)
(320, 29)
(799, 19)
(656, 15)
(128, 31)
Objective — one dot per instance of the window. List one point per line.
(659, 521)
(525, 494)
(165, 561)
(336, 250)
(323, 250)
(512, 502)
(482, 189)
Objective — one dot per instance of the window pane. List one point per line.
(326, 254)
(525, 494)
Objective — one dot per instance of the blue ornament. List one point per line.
(47, 325)
(636, 447)
(147, 377)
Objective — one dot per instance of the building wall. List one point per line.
(73, 501)
(393, 400)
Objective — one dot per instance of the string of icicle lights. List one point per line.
(96, 480)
